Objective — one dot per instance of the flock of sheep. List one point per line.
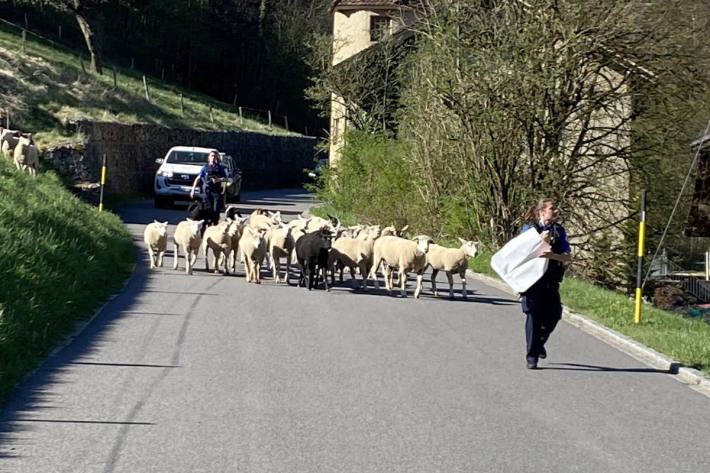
(20, 148)
(318, 245)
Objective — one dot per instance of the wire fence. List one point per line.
(266, 118)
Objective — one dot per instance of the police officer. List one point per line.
(541, 303)
(212, 175)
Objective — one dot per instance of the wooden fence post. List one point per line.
(26, 22)
(7, 119)
(182, 104)
(269, 119)
(234, 102)
(24, 41)
(60, 31)
(145, 86)
(241, 117)
(115, 82)
(286, 122)
(211, 114)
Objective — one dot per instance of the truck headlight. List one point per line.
(165, 173)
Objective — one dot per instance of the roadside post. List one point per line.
(639, 269)
(103, 181)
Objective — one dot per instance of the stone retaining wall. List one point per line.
(267, 161)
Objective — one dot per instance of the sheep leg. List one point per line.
(434, 272)
(463, 283)
(176, 255)
(325, 278)
(188, 261)
(207, 254)
(373, 272)
(152, 257)
(451, 284)
(388, 278)
(364, 273)
(420, 283)
(403, 283)
(161, 253)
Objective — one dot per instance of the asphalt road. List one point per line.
(207, 373)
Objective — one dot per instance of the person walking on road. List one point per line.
(541, 302)
(212, 175)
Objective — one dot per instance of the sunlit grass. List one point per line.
(46, 88)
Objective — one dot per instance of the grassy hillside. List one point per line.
(59, 260)
(45, 87)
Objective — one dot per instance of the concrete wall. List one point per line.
(267, 161)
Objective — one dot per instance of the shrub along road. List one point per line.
(208, 373)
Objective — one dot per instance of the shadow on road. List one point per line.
(582, 367)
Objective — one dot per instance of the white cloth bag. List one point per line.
(518, 262)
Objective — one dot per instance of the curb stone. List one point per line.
(696, 379)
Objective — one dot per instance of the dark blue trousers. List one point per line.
(541, 303)
(213, 202)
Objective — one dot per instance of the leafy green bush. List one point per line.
(59, 259)
(371, 181)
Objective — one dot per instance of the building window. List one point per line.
(379, 27)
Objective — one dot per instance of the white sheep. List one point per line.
(405, 255)
(8, 141)
(236, 228)
(451, 260)
(260, 218)
(218, 239)
(354, 252)
(188, 236)
(252, 246)
(280, 245)
(155, 237)
(26, 156)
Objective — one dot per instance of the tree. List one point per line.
(80, 9)
(505, 101)
(510, 101)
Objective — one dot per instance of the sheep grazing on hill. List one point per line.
(155, 237)
(26, 156)
(312, 255)
(451, 260)
(252, 246)
(8, 141)
(187, 236)
(405, 255)
(218, 238)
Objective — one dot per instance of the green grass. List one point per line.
(684, 339)
(45, 87)
(59, 260)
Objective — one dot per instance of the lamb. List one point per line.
(312, 254)
(252, 246)
(155, 237)
(280, 244)
(405, 255)
(451, 260)
(187, 236)
(218, 238)
(236, 228)
(8, 141)
(26, 155)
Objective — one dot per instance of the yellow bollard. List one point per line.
(103, 181)
(639, 255)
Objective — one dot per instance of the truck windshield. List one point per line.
(187, 157)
